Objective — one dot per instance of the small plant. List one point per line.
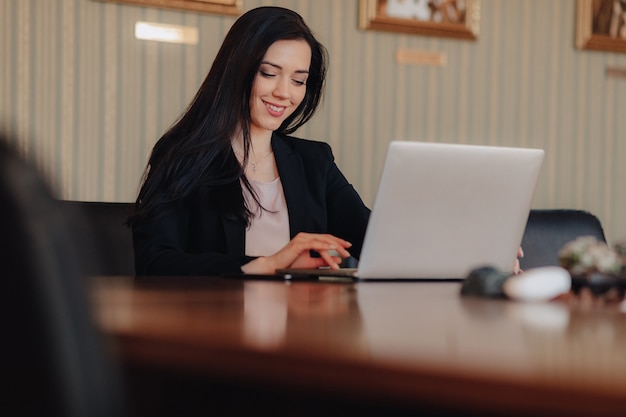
(587, 255)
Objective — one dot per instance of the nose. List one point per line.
(282, 88)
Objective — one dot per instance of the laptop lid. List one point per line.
(442, 210)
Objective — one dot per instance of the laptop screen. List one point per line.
(442, 210)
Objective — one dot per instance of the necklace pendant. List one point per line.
(254, 167)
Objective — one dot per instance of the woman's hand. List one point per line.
(296, 254)
(516, 267)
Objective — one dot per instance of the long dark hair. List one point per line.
(196, 151)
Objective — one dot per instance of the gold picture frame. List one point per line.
(444, 18)
(599, 26)
(226, 7)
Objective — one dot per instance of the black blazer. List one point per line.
(192, 238)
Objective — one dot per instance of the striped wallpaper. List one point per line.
(87, 100)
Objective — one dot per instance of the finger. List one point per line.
(306, 261)
(340, 252)
(322, 237)
(321, 262)
(303, 243)
(331, 261)
(320, 245)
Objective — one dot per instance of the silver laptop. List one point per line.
(442, 210)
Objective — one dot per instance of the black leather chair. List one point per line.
(113, 239)
(548, 230)
(54, 360)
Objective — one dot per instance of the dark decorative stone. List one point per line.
(484, 282)
(598, 283)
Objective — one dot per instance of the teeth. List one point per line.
(274, 108)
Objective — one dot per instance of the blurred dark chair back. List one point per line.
(55, 362)
(548, 230)
(113, 239)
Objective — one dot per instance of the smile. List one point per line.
(275, 110)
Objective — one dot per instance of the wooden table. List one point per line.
(409, 344)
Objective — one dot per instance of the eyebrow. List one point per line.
(280, 68)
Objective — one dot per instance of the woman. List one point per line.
(226, 190)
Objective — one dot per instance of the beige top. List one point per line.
(269, 229)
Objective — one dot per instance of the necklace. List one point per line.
(256, 162)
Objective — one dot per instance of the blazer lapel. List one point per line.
(291, 171)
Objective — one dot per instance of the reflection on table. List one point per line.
(415, 345)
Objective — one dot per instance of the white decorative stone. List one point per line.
(538, 284)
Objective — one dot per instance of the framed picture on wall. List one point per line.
(601, 25)
(445, 18)
(227, 7)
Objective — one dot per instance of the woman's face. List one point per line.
(280, 85)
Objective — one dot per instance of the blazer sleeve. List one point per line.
(347, 214)
(162, 246)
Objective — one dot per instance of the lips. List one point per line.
(275, 110)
